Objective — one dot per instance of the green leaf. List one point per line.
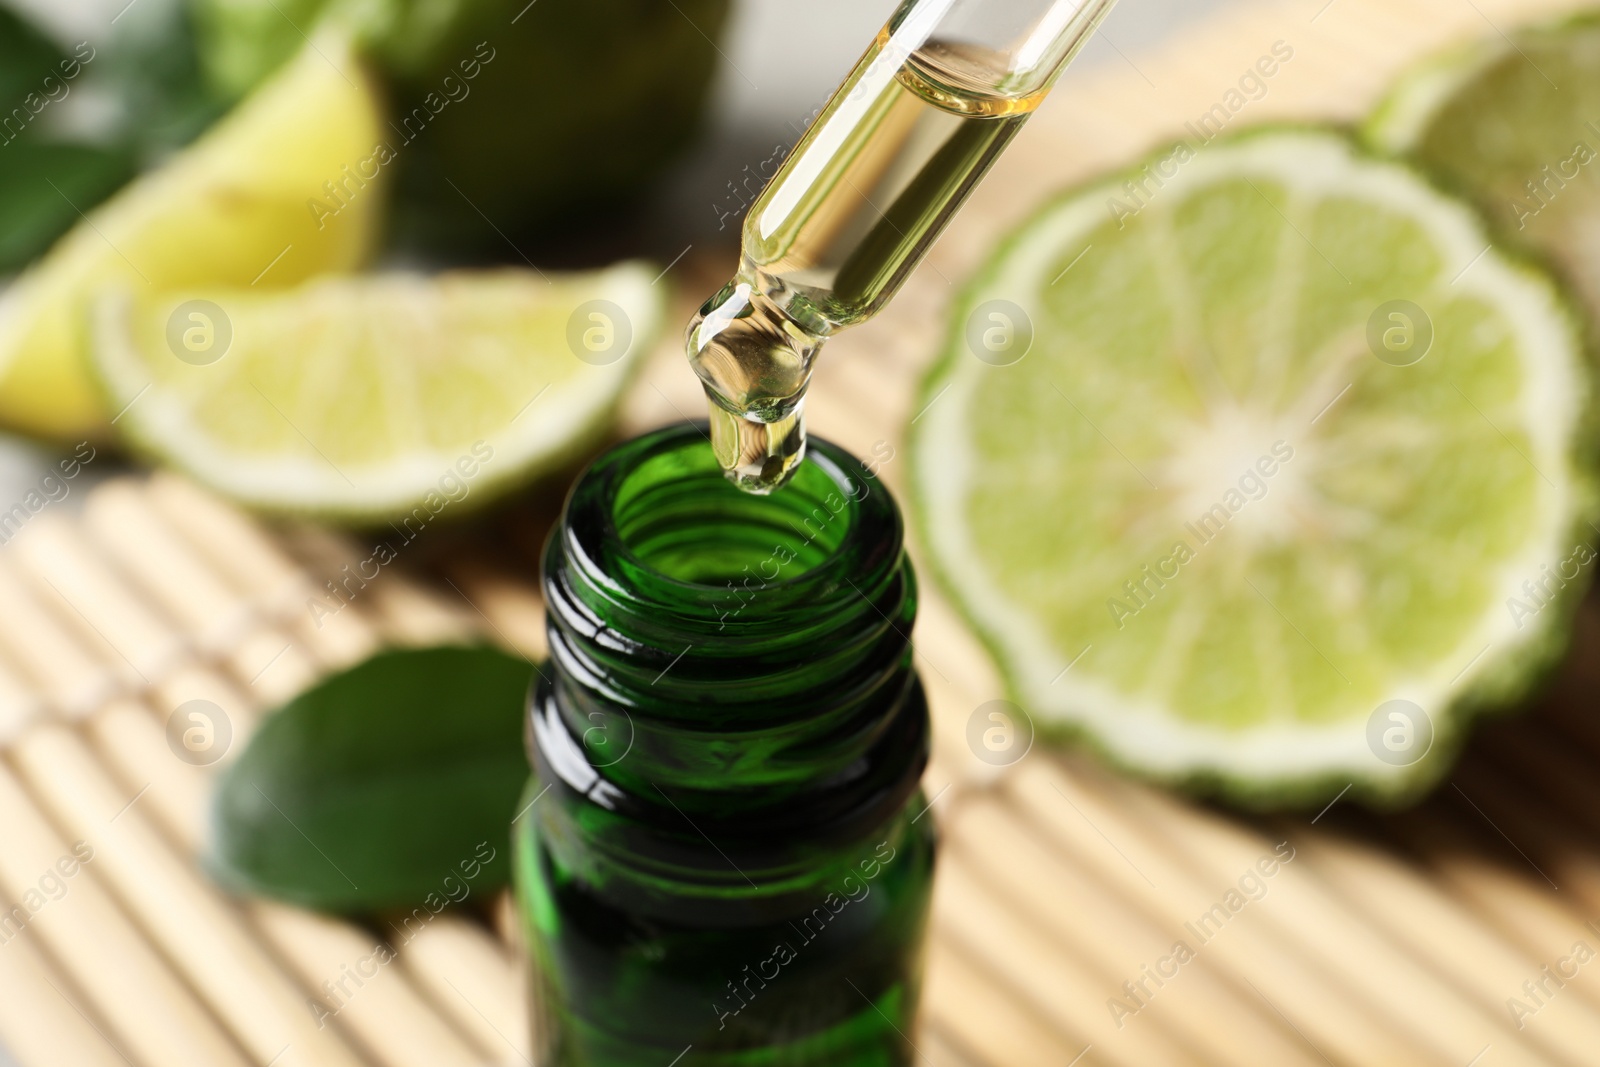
(380, 786)
(43, 186)
(26, 56)
(146, 77)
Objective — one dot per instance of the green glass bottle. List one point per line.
(723, 859)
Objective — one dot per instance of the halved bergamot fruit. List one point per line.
(1242, 476)
(364, 398)
(1514, 122)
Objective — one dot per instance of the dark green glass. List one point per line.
(723, 860)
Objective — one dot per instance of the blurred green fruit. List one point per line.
(1490, 120)
(236, 208)
(402, 381)
(507, 115)
(243, 41)
(582, 106)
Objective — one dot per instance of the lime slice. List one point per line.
(246, 204)
(1239, 462)
(369, 398)
(1515, 122)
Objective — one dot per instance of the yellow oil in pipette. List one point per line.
(842, 224)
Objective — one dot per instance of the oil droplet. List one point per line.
(754, 362)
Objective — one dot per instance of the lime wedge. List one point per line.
(246, 204)
(1514, 122)
(367, 398)
(1239, 462)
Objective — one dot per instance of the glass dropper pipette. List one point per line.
(927, 110)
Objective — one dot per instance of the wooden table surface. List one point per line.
(1374, 940)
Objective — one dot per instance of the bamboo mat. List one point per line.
(1359, 940)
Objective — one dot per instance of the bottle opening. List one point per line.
(654, 531)
(676, 514)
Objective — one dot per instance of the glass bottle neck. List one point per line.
(739, 661)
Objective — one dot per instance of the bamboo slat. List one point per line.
(1135, 858)
(222, 959)
(144, 1004)
(1101, 924)
(40, 1017)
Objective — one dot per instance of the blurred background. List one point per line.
(798, 51)
(1422, 936)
